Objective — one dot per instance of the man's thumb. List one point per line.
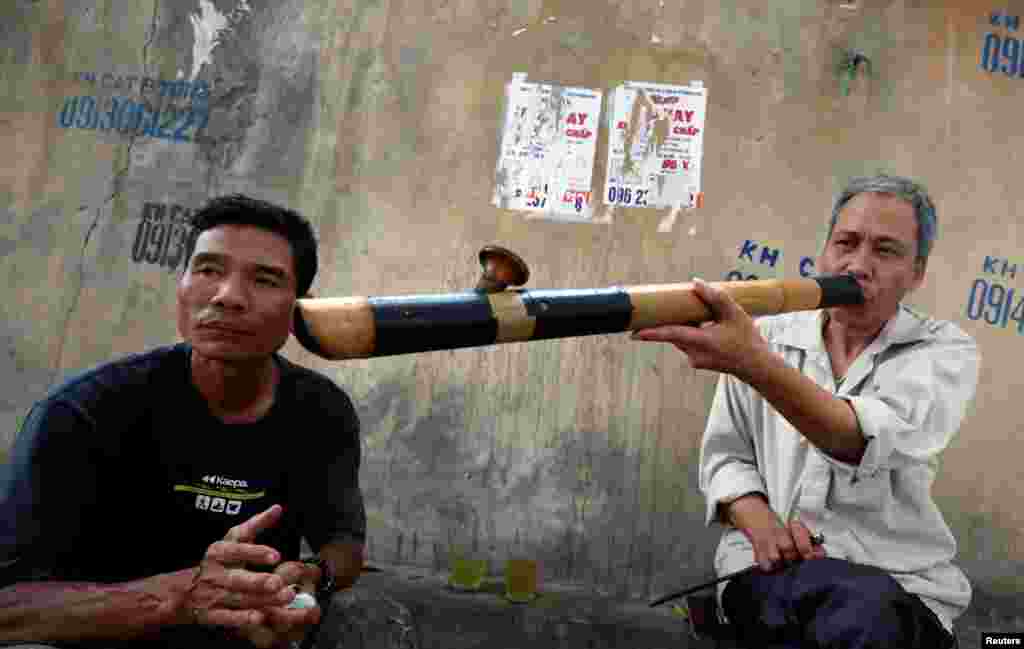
(717, 300)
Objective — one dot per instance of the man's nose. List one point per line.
(859, 263)
(231, 293)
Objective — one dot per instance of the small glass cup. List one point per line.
(521, 577)
(468, 571)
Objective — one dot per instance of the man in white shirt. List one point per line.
(833, 421)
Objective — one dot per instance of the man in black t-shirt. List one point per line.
(161, 499)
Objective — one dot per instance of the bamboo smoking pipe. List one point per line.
(366, 327)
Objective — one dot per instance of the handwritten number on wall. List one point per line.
(990, 53)
(1011, 52)
(86, 113)
(997, 305)
(166, 242)
(67, 114)
(126, 116)
(1002, 55)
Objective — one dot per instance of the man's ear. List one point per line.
(920, 266)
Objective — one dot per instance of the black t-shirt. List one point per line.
(122, 472)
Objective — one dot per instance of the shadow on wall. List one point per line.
(989, 552)
(628, 521)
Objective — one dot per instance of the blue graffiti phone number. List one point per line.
(627, 196)
(1004, 55)
(996, 304)
(127, 116)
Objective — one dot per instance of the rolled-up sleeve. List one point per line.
(728, 462)
(914, 404)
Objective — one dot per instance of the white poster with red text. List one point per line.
(656, 143)
(546, 159)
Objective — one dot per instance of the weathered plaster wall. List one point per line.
(380, 120)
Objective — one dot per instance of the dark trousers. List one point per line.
(830, 604)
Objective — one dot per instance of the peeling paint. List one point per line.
(209, 26)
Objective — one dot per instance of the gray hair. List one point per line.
(904, 188)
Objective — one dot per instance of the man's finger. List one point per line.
(234, 618)
(678, 334)
(789, 553)
(787, 548)
(233, 552)
(217, 597)
(297, 572)
(249, 601)
(247, 531)
(802, 537)
(767, 555)
(245, 581)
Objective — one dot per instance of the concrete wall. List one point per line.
(380, 120)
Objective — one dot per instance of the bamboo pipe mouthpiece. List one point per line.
(501, 268)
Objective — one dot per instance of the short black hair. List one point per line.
(907, 189)
(239, 209)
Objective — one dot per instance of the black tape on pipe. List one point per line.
(565, 313)
(839, 290)
(408, 324)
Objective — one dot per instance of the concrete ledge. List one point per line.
(409, 608)
(405, 607)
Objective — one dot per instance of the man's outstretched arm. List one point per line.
(56, 610)
(733, 344)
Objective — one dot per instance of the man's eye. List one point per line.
(266, 281)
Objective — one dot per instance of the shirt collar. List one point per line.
(906, 326)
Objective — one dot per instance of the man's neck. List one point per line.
(845, 342)
(236, 392)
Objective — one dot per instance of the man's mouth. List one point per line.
(225, 328)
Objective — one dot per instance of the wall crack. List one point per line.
(116, 189)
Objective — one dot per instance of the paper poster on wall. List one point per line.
(656, 142)
(546, 160)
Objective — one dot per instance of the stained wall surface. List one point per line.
(381, 119)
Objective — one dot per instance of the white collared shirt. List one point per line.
(909, 389)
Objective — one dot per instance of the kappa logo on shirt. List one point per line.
(220, 495)
(219, 481)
